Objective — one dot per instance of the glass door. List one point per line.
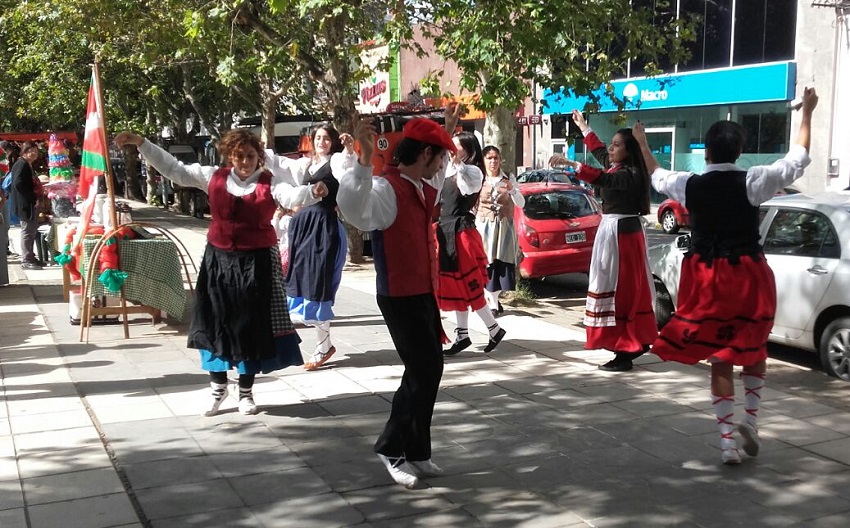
(661, 141)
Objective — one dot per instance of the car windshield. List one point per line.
(557, 204)
(547, 176)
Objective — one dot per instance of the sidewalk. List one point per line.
(109, 434)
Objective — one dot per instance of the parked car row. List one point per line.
(806, 242)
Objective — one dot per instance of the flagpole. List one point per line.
(113, 216)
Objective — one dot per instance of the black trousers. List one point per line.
(414, 325)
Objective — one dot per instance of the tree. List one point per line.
(503, 46)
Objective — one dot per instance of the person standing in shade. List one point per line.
(495, 222)
(620, 294)
(240, 319)
(398, 209)
(463, 262)
(727, 292)
(318, 245)
(25, 190)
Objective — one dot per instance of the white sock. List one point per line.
(323, 337)
(489, 320)
(462, 324)
(753, 384)
(725, 413)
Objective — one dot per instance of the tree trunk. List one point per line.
(500, 130)
(269, 102)
(337, 82)
(132, 185)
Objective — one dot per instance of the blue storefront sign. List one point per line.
(761, 83)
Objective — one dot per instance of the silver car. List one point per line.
(806, 241)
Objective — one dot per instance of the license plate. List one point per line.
(572, 238)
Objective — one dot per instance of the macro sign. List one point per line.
(770, 82)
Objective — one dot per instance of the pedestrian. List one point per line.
(619, 315)
(24, 198)
(240, 319)
(463, 262)
(495, 222)
(280, 221)
(398, 209)
(318, 244)
(727, 293)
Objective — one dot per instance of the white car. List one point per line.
(806, 241)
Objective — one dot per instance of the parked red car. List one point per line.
(672, 215)
(556, 229)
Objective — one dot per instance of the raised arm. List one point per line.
(194, 175)
(366, 202)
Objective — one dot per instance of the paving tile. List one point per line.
(11, 495)
(799, 432)
(252, 462)
(171, 472)
(271, 487)
(357, 405)
(59, 440)
(33, 423)
(50, 461)
(188, 499)
(231, 518)
(802, 501)
(797, 407)
(48, 404)
(13, 518)
(838, 450)
(76, 485)
(105, 511)
(396, 502)
(452, 517)
(320, 511)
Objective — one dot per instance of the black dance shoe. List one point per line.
(617, 365)
(495, 340)
(458, 346)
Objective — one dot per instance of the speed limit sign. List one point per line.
(383, 143)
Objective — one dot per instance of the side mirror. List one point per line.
(683, 241)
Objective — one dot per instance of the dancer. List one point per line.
(317, 242)
(727, 293)
(620, 293)
(463, 262)
(280, 221)
(398, 209)
(495, 222)
(240, 319)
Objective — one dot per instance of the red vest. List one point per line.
(405, 253)
(241, 223)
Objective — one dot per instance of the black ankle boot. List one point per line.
(458, 346)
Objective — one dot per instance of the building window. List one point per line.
(764, 31)
(767, 132)
(714, 33)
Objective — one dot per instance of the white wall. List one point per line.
(815, 57)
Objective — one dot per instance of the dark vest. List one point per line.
(241, 223)
(405, 256)
(455, 216)
(723, 221)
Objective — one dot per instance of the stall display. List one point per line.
(61, 188)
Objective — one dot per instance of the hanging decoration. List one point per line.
(61, 189)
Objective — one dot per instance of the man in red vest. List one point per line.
(398, 208)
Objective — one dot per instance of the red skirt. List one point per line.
(633, 312)
(725, 312)
(464, 289)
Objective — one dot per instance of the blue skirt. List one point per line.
(287, 354)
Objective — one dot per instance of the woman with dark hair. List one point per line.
(619, 315)
(462, 260)
(317, 240)
(240, 320)
(495, 221)
(25, 191)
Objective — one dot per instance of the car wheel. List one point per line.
(669, 223)
(663, 304)
(835, 348)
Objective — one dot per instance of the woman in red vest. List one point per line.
(241, 319)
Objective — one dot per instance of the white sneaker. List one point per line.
(247, 405)
(730, 456)
(397, 469)
(425, 468)
(219, 393)
(751, 438)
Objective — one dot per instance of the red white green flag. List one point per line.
(94, 149)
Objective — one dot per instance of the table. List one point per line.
(154, 274)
